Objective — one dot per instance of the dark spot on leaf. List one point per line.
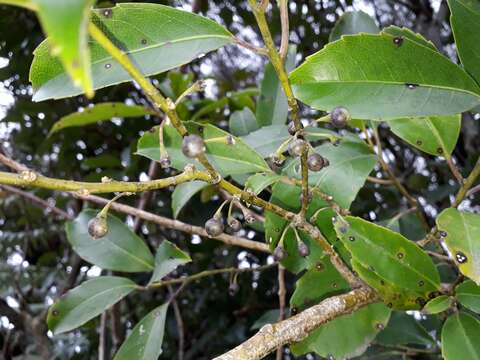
(330, 357)
(55, 313)
(334, 285)
(443, 233)
(276, 230)
(108, 66)
(144, 41)
(294, 310)
(382, 282)
(320, 266)
(334, 219)
(411, 86)
(371, 268)
(400, 255)
(107, 13)
(351, 238)
(380, 326)
(398, 41)
(461, 257)
(421, 283)
(433, 294)
(420, 301)
(390, 305)
(439, 151)
(343, 229)
(419, 142)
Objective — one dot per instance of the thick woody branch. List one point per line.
(298, 327)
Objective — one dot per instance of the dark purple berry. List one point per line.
(97, 227)
(279, 253)
(193, 146)
(291, 128)
(233, 289)
(315, 162)
(235, 225)
(303, 249)
(214, 227)
(340, 117)
(165, 162)
(297, 147)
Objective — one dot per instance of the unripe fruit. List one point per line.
(340, 117)
(193, 146)
(165, 162)
(97, 227)
(233, 289)
(297, 147)
(214, 227)
(316, 162)
(277, 160)
(249, 218)
(279, 253)
(303, 249)
(291, 128)
(234, 224)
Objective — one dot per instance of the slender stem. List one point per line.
(467, 184)
(251, 47)
(285, 28)
(380, 181)
(453, 168)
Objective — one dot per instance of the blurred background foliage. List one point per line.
(36, 263)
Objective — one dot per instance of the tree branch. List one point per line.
(298, 327)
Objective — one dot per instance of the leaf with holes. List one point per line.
(399, 261)
(460, 337)
(353, 22)
(346, 336)
(97, 113)
(183, 193)
(157, 38)
(462, 231)
(435, 135)
(465, 21)
(168, 258)
(86, 301)
(242, 122)
(387, 78)
(145, 340)
(468, 294)
(119, 250)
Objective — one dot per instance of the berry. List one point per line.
(303, 249)
(97, 227)
(233, 289)
(234, 224)
(340, 117)
(214, 227)
(249, 218)
(291, 128)
(193, 146)
(297, 147)
(165, 162)
(279, 253)
(316, 162)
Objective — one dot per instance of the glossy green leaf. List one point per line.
(386, 79)
(406, 33)
(183, 193)
(465, 21)
(404, 329)
(353, 22)
(399, 261)
(350, 164)
(145, 340)
(468, 294)
(319, 282)
(462, 232)
(346, 336)
(158, 38)
(267, 139)
(259, 182)
(242, 122)
(167, 259)
(99, 112)
(237, 158)
(438, 305)
(65, 23)
(435, 135)
(119, 250)
(461, 338)
(272, 106)
(86, 301)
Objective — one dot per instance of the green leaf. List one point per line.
(183, 193)
(465, 21)
(460, 338)
(435, 135)
(350, 164)
(145, 340)
(86, 301)
(267, 139)
(399, 261)
(386, 79)
(318, 283)
(65, 23)
(157, 38)
(468, 294)
(269, 317)
(353, 22)
(404, 329)
(119, 250)
(346, 336)
(272, 106)
(237, 158)
(259, 182)
(99, 112)
(168, 258)
(438, 305)
(462, 231)
(242, 122)
(409, 34)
